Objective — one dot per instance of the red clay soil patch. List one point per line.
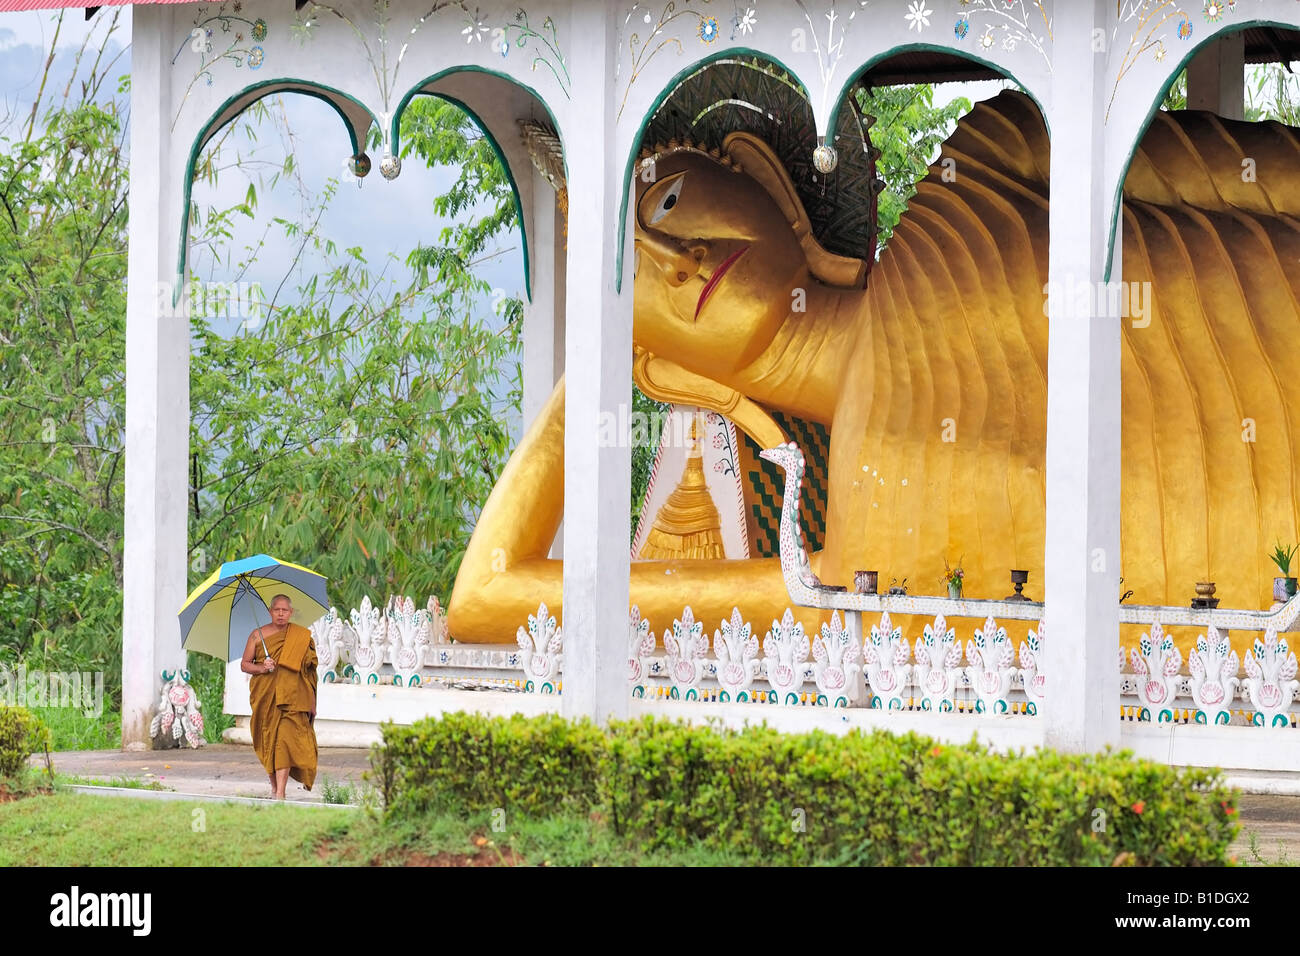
(8, 796)
(485, 856)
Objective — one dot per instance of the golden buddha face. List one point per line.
(716, 265)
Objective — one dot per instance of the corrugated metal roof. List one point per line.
(12, 6)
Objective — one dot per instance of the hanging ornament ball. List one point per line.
(360, 165)
(390, 167)
(825, 159)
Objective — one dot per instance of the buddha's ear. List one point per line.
(756, 159)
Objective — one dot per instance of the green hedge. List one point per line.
(21, 735)
(874, 798)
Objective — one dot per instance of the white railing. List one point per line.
(406, 646)
(847, 663)
(987, 673)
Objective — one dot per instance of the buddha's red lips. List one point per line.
(717, 276)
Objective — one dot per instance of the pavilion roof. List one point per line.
(12, 6)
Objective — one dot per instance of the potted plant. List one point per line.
(1284, 587)
(953, 578)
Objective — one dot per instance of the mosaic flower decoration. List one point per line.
(708, 29)
(259, 30)
(1184, 29)
(917, 16)
(986, 41)
(961, 28)
(747, 21)
(256, 56)
(476, 30)
(1213, 10)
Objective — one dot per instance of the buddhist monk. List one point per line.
(282, 659)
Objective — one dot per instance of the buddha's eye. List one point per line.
(667, 201)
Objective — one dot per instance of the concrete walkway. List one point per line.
(1275, 823)
(220, 770)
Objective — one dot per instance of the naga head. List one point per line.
(788, 457)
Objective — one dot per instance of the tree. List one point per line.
(1175, 97)
(63, 259)
(908, 131)
(357, 429)
(363, 425)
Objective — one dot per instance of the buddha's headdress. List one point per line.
(753, 118)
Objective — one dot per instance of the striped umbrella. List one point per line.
(220, 613)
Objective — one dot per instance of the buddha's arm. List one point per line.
(505, 573)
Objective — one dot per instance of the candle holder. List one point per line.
(1205, 599)
(866, 582)
(1019, 579)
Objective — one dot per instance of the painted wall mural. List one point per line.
(226, 36)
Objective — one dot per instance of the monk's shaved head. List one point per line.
(281, 597)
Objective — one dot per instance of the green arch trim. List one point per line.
(1117, 203)
(419, 89)
(856, 75)
(694, 67)
(326, 94)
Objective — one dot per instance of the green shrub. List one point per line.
(863, 798)
(529, 765)
(332, 791)
(21, 735)
(70, 729)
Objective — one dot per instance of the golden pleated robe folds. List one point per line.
(283, 702)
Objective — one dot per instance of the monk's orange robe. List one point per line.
(283, 702)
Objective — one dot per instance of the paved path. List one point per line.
(1275, 823)
(215, 769)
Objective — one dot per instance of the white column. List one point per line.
(539, 358)
(598, 348)
(157, 392)
(561, 299)
(1216, 77)
(542, 357)
(1081, 712)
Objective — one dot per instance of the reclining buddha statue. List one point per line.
(930, 373)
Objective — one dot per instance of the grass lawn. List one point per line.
(75, 829)
(66, 829)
